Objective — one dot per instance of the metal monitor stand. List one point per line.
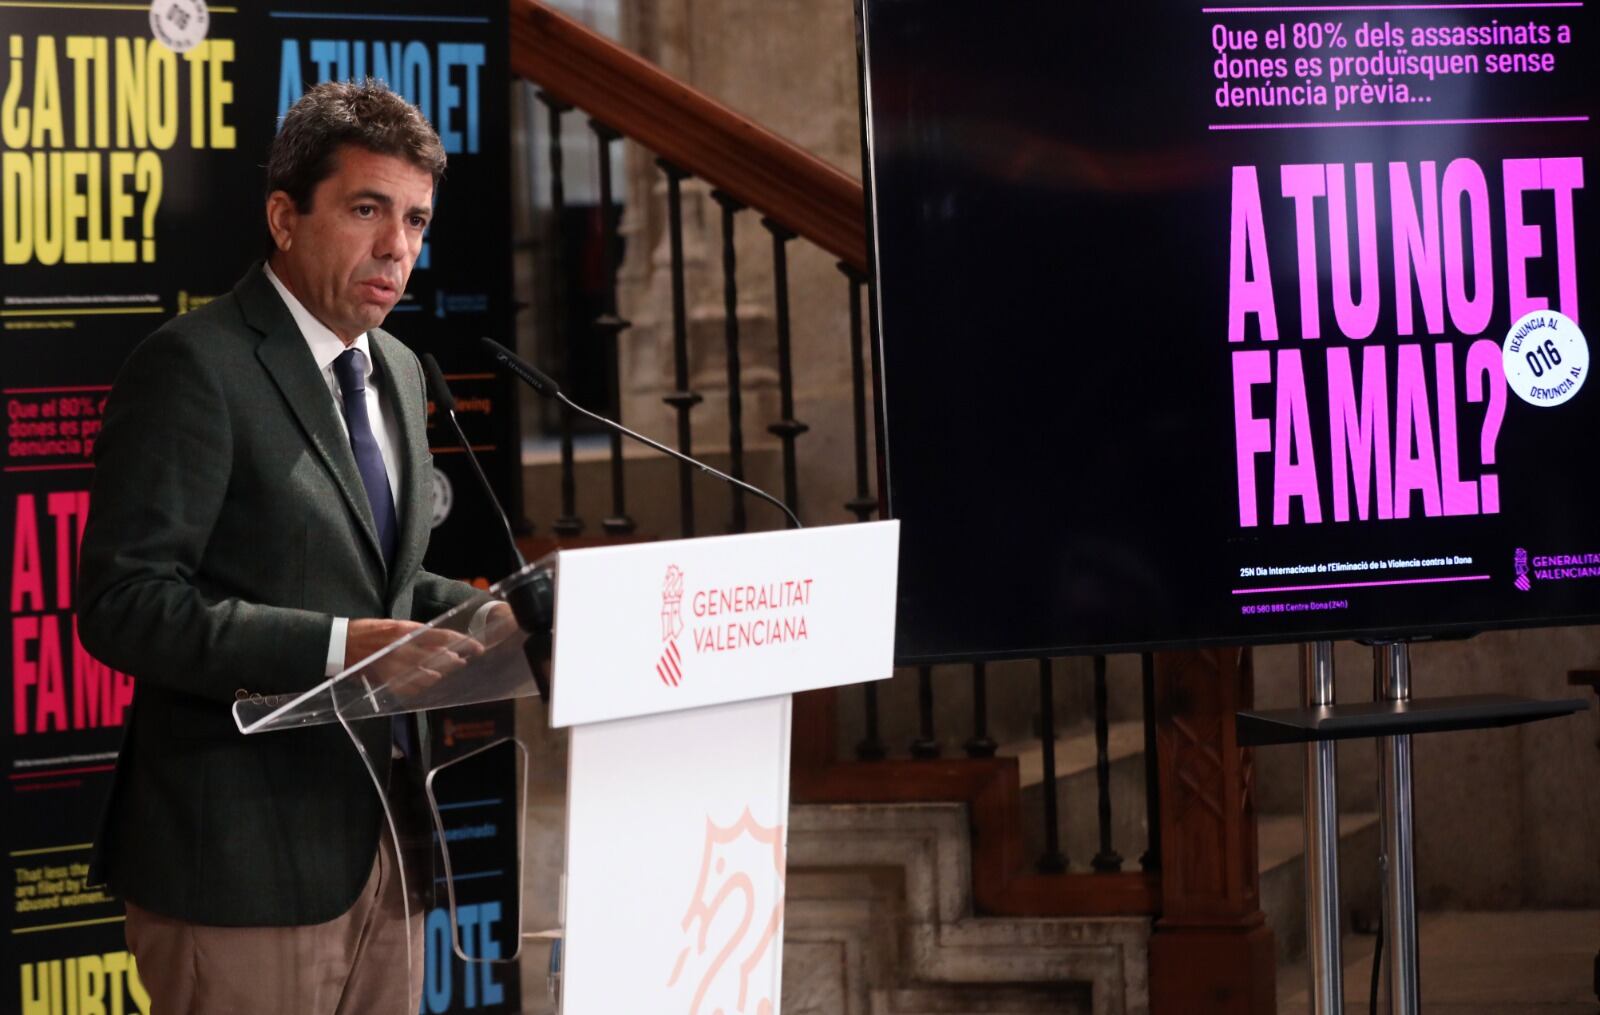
(1391, 718)
(1322, 840)
(1392, 683)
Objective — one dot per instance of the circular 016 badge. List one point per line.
(1546, 358)
(180, 25)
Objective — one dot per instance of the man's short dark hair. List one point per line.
(336, 113)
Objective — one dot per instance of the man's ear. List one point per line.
(282, 217)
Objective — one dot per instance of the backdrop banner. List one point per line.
(131, 144)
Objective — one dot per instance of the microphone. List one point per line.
(447, 402)
(541, 382)
(532, 603)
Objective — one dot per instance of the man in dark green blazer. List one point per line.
(260, 510)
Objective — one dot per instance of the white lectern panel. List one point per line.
(676, 831)
(673, 665)
(659, 627)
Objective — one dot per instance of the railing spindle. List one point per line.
(681, 398)
(980, 744)
(1053, 860)
(730, 309)
(1151, 860)
(871, 747)
(787, 428)
(1107, 860)
(925, 746)
(568, 524)
(863, 503)
(610, 327)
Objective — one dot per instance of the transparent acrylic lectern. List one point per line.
(472, 655)
(672, 664)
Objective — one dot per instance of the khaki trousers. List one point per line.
(354, 964)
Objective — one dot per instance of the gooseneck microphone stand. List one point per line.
(541, 382)
(533, 602)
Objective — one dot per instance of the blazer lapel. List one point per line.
(402, 392)
(287, 359)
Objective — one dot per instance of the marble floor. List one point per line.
(1517, 963)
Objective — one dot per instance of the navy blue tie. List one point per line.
(369, 460)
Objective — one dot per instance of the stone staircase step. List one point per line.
(879, 921)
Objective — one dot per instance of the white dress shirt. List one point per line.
(325, 348)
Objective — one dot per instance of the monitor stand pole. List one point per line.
(1392, 683)
(1322, 840)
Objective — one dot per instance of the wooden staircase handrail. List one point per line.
(689, 129)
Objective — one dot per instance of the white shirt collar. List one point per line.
(325, 345)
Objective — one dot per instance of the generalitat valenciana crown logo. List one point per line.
(669, 666)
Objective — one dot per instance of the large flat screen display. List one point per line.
(1235, 323)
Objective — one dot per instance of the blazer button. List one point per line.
(240, 694)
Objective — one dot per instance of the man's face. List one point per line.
(348, 259)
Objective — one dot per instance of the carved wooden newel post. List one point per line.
(1212, 952)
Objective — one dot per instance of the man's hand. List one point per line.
(364, 637)
(413, 667)
(493, 623)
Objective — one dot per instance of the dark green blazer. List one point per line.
(227, 528)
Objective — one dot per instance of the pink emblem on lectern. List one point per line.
(738, 905)
(669, 665)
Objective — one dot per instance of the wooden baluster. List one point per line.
(568, 524)
(926, 745)
(681, 398)
(980, 744)
(863, 504)
(610, 326)
(1150, 860)
(787, 428)
(1107, 860)
(1053, 860)
(730, 333)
